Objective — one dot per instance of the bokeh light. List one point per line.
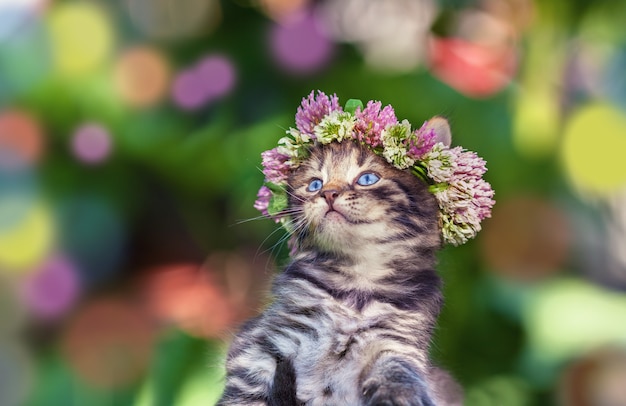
(592, 149)
(392, 35)
(299, 46)
(15, 13)
(188, 297)
(473, 69)
(218, 76)
(614, 82)
(187, 91)
(97, 255)
(91, 143)
(25, 244)
(478, 57)
(81, 36)
(174, 20)
(109, 343)
(537, 124)
(595, 379)
(281, 10)
(51, 290)
(21, 138)
(209, 80)
(540, 103)
(202, 388)
(585, 69)
(21, 71)
(141, 76)
(12, 312)
(18, 194)
(527, 238)
(567, 317)
(246, 277)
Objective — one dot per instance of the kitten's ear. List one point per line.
(442, 129)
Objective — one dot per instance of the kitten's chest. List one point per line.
(328, 365)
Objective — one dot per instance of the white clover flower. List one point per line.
(464, 203)
(335, 126)
(440, 163)
(456, 233)
(295, 145)
(394, 144)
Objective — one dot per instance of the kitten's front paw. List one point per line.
(406, 393)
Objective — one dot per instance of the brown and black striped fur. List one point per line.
(353, 312)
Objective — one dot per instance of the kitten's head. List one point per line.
(345, 198)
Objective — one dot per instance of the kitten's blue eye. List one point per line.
(315, 185)
(367, 179)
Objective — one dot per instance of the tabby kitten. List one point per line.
(353, 313)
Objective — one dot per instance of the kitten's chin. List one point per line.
(334, 230)
(334, 233)
(333, 216)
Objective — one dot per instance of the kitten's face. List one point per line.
(346, 197)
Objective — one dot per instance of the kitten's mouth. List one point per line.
(333, 213)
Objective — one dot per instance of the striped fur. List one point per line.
(353, 313)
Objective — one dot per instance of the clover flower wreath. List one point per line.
(454, 175)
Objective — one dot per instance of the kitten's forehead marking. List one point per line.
(342, 163)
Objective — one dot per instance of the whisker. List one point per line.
(239, 222)
(298, 198)
(287, 211)
(295, 226)
(258, 251)
(290, 212)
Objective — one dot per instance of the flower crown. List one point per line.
(454, 175)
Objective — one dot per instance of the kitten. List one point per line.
(353, 312)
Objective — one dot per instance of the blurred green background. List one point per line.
(130, 141)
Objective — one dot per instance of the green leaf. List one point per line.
(275, 187)
(278, 203)
(438, 187)
(352, 105)
(421, 173)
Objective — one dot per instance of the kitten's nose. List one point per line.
(330, 196)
